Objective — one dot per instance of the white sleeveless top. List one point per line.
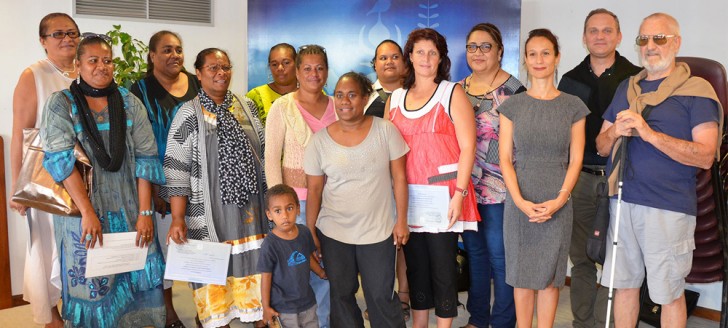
(47, 81)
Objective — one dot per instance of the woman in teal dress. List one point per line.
(112, 127)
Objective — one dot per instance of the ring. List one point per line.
(88, 237)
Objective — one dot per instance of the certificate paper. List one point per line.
(198, 261)
(119, 254)
(428, 206)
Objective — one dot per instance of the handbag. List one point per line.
(36, 188)
(463, 270)
(650, 312)
(596, 243)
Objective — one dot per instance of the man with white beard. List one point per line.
(670, 122)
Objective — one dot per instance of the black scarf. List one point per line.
(238, 177)
(117, 122)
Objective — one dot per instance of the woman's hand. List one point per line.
(455, 209)
(145, 230)
(322, 274)
(533, 211)
(317, 252)
(177, 231)
(91, 227)
(18, 207)
(547, 210)
(268, 314)
(400, 233)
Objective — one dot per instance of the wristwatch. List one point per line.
(464, 192)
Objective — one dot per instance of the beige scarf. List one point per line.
(678, 83)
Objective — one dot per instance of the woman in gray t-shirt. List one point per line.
(355, 170)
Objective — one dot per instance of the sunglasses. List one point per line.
(60, 35)
(484, 47)
(91, 35)
(659, 39)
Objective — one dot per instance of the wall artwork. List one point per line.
(350, 30)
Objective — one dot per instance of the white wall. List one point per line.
(703, 28)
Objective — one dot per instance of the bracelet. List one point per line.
(146, 213)
(562, 190)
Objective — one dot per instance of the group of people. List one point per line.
(311, 191)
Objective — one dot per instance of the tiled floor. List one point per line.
(20, 316)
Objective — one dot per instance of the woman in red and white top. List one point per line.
(437, 121)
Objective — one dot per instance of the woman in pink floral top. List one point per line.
(487, 87)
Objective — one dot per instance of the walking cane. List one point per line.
(620, 176)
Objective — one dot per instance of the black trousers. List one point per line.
(375, 264)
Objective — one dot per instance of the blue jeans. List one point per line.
(320, 286)
(486, 255)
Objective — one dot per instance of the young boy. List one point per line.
(285, 263)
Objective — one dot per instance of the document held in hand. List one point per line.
(119, 254)
(428, 206)
(198, 261)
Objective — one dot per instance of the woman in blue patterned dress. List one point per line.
(101, 116)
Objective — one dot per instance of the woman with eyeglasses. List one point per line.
(437, 121)
(365, 155)
(541, 150)
(281, 62)
(164, 89)
(292, 121)
(112, 127)
(58, 35)
(486, 87)
(215, 184)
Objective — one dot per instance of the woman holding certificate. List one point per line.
(358, 154)
(112, 127)
(541, 149)
(215, 185)
(437, 121)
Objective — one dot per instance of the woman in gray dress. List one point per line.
(541, 149)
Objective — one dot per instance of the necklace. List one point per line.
(60, 70)
(483, 96)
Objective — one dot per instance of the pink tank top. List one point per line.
(434, 150)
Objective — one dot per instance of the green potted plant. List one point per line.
(130, 63)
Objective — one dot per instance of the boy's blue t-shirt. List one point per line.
(651, 178)
(288, 261)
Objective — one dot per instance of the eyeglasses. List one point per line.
(216, 67)
(60, 35)
(484, 47)
(91, 35)
(659, 39)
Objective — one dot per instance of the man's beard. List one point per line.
(661, 65)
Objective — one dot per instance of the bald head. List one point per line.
(672, 24)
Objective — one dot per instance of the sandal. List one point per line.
(176, 324)
(405, 310)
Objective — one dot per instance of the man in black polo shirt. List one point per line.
(594, 80)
